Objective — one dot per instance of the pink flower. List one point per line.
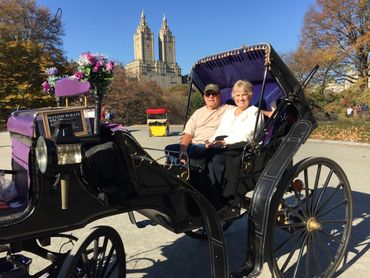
(79, 75)
(46, 86)
(89, 58)
(96, 68)
(109, 66)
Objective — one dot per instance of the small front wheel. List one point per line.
(100, 254)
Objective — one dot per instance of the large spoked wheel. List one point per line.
(99, 254)
(312, 220)
(201, 233)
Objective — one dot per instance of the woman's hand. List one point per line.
(218, 143)
(215, 144)
(207, 144)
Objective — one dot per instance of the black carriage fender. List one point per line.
(260, 213)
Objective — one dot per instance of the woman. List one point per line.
(237, 125)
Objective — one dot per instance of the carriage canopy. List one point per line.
(247, 63)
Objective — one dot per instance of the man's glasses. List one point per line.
(211, 94)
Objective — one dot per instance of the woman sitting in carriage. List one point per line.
(237, 125)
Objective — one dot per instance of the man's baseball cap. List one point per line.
(212, 87)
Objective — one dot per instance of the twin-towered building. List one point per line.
(165, 71)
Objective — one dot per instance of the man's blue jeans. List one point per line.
(194, 151)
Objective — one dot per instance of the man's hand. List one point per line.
(183, 158)
(184, 144)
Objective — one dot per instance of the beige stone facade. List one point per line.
(165, 71)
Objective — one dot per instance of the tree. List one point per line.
(30, 41)
(336, 35)
(129, 98)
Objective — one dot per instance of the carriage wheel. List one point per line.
(99, 254)
(201, 233)
(313, 220)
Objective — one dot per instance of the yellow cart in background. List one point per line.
(157, 121)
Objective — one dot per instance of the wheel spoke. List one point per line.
(332, 237)
(107, 260)
(85, 261)
(307, 269)
(300, 255)
(323, 247)
(323, 191)
(329, 198)
(291, 253)
(291, 225)
(114, 266)
(293, 211)
(306, 187)
(315, 254)
(332, 208)
(300, 202)
(103, 248)
(317, 178)
(95, 257)
(344, 221)
(289, 239)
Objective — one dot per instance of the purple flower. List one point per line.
(46, 86)
(51, 71)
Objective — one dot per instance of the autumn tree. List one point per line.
(336, 36)
(129, 98)
(30, 41)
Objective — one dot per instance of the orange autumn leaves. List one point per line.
(347, 131)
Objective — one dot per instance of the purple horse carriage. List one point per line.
(299, 214)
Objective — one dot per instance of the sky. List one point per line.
(201, 27)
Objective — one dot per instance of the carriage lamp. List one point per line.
(61, 150)
(60, 154)
(45, 149)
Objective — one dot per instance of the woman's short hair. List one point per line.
(243, 85)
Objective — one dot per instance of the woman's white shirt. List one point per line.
(238, 128)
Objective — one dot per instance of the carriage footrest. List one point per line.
(140, 224)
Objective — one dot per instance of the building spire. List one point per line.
(164, 23)
(142, 20)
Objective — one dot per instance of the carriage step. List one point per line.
(140, 224)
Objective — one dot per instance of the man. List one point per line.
(202, 125)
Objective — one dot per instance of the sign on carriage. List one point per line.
(74, 116)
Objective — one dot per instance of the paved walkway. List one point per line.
(155, 252)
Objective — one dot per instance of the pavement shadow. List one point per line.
(359, 243)
(187, 257)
